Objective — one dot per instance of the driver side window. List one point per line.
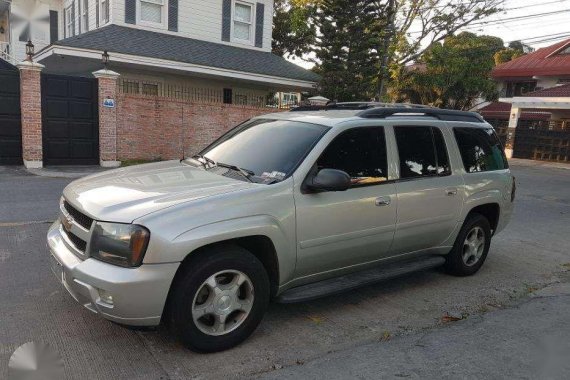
(360, 152)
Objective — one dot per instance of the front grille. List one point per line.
(77, 241)
(81, 219)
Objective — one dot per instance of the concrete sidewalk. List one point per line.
(530, 341)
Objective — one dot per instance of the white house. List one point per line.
(158, 46)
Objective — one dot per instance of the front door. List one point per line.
(341, 229)
(429, 194)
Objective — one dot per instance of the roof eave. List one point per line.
(180, 66)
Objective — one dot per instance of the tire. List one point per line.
(227, 265)
(465, 259)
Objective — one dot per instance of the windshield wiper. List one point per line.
(204, 160)
(244, 172)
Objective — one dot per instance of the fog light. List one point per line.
(106, 297)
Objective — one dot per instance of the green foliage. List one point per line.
(347, 49)
(294, 32)
(516, 49)
(452, 74)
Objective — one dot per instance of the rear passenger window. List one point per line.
(361, 152)
(422, 152)
(480, 149)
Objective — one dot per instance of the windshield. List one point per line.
(270, 149)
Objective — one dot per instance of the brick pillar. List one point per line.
(31, 110)
(511, 131)
(107, 81)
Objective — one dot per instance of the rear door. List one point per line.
(429, 192)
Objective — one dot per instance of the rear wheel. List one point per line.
(219, 300)
(471, 247)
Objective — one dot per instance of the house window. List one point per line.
(243, 22)
(68, 22)
(228, 96)
(150, 89)
(84, 10)
(130, 87)
(152, 11)
(104, 11)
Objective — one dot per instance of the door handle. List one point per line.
(451, 191)
(382, 201)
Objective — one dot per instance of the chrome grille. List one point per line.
(76, 241)
(81, 219)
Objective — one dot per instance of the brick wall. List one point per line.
(151, 128)
(31, 105)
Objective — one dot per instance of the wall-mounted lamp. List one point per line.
(2, 30)
(105, 58)
(30, 50)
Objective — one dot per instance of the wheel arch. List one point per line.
(491, 211)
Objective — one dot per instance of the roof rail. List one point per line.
(355, 106)
(441, 114)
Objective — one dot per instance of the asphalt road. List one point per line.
(351, 335)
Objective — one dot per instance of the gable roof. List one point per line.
(546, 61)
(561, 91)
(144, 43)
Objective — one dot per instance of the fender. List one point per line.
(265, 225)
(480, 198)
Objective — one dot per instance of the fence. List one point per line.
(203, 95)
(547, 140)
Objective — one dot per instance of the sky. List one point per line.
(538, 23)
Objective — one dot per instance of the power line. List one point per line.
(525, 17)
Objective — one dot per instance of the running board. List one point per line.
(355, 280)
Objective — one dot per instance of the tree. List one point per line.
(514, 50)
(294, 31)
(452, 74)
(347, 49)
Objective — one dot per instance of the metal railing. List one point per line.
(201, 94)
(5, 53)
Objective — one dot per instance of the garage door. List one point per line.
(10, 120)
(70, 120)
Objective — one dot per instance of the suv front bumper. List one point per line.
(138, 294)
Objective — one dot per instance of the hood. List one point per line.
(125, 194)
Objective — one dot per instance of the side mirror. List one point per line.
(329, 180)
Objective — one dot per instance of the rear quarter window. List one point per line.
(480, 149)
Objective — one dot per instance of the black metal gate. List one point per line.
(70, 119)
(547, 140)
(10, 119)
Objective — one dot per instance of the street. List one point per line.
(503, 322)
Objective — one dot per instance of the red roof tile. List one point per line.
(545, 61)
(552, 92)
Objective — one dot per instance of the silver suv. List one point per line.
(288, 206)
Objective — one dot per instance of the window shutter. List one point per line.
(64, 24)
(173, 15)
(131, 11)
(226, 19)
(259, 15)
(79, 17)
(86, 27)
(73, 19)
(96, 13)
(53, 29)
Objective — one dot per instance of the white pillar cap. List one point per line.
(29, 65)
(105, 73)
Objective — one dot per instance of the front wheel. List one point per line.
(219, 300)
(471, 247)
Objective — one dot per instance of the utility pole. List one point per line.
(389, 33)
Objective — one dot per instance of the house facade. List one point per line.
(176, 75)
(533, 111)
(167, 47)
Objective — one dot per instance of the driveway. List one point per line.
(293, 340)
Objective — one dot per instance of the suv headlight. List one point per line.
(119, 244)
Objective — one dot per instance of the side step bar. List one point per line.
(355, 280)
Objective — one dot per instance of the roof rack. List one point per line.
(441, 114)
(355, 106)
